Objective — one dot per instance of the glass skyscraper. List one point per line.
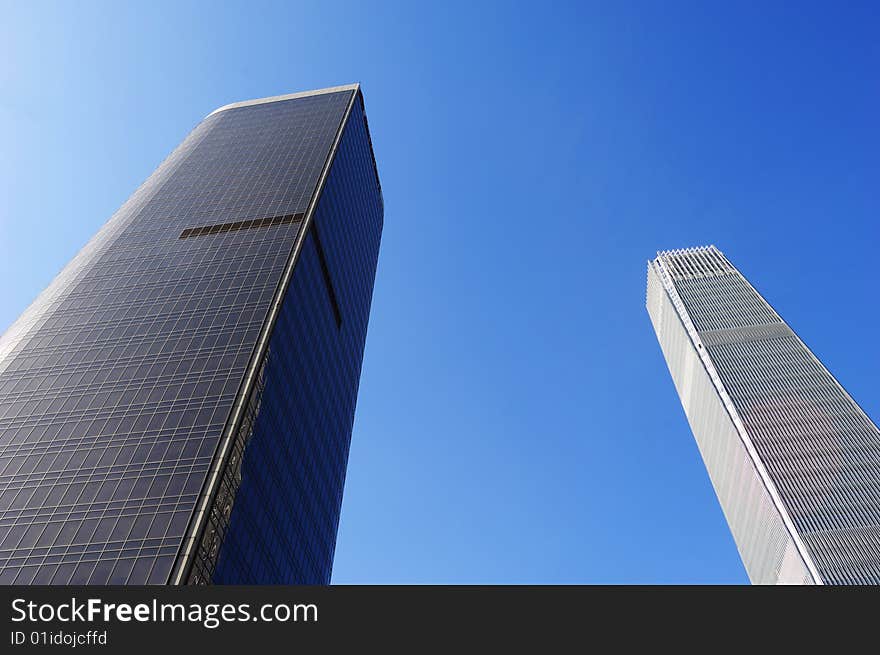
(794, 461)
(177, 406)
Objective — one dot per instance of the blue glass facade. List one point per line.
(284, 514)
(120, 382)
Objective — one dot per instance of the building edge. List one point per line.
(659, 288)
(185, 557)
(288, 96)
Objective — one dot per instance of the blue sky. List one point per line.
(516, 421)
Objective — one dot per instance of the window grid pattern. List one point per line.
(278, 520)
(115, 384)
(821, 450)
(766, 546)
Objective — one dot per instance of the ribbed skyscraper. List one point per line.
(177, 406)
(794, 461)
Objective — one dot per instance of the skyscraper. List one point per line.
(794, 461)
(177, 406)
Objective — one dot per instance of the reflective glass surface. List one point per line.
(281, 519)
(116, 383)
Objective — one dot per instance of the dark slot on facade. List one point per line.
(271, 221)
(325, 270)
(372, 155)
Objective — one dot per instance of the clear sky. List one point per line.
(516, 421)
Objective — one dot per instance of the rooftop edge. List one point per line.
(289, 96)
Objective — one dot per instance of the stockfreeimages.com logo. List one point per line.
(209, 615)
